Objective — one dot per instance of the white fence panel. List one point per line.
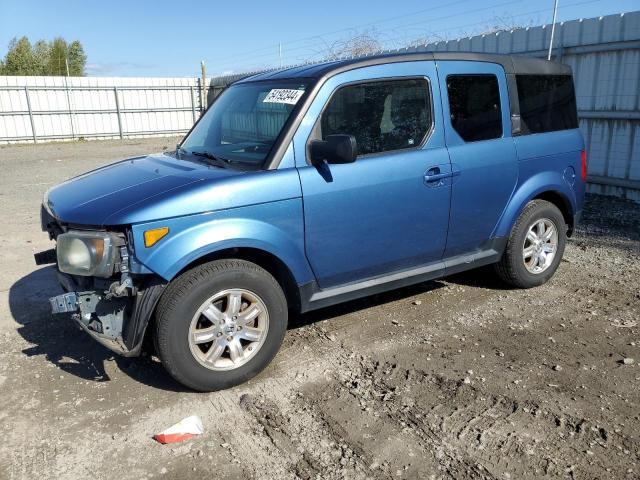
(53, 108)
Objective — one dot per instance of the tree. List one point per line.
(41, 52)
(57, 57)
(19, 59)
(44, 58)
(77, 59)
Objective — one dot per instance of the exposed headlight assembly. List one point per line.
(91, 254)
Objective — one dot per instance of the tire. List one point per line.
(197, 331)
(520, 271)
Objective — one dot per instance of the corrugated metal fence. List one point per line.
(51, 108)
(605, 56)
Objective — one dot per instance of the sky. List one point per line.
(170, 38)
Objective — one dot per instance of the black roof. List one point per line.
(511, 63)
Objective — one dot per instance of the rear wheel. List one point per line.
(535, 246)
(220, 324)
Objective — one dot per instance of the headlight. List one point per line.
(87, 253)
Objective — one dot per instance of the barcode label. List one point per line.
(283, 95)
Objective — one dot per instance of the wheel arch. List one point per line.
(563, 204)
(548, 186)
(264, 259)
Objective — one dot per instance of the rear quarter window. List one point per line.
(547, 103)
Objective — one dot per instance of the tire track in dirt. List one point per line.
(481, 435)
(315, 448)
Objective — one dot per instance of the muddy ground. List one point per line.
(457, 378)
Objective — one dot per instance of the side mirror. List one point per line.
(334, 149)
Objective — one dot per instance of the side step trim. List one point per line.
(313, 297)
(352, 287)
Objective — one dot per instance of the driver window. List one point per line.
(382, 115)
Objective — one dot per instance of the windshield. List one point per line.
(243, 124)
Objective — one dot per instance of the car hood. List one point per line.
(96, 197)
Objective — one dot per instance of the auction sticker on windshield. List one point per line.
(283, 95)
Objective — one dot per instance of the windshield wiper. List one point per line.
(210, 156)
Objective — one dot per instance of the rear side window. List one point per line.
(382, 115)
(547, 103)
(474, 104)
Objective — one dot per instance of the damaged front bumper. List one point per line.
(102, 316)
(117, 322)
(114, 306)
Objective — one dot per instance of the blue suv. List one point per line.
(309, 186)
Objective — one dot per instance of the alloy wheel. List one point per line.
(228, 329)
(540, 246)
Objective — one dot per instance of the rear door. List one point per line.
(389, 210)
(481, 148)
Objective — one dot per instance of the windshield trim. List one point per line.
(284, 134)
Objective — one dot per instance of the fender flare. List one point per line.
(535, 186)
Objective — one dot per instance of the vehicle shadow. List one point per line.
(64, 344)
(301, 320)
(483, 277)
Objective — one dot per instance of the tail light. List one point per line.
(583, 165)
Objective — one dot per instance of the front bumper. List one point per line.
(117, 322)
(103, 318)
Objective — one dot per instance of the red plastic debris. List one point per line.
(183, 430)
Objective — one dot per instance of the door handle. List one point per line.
(434, 176)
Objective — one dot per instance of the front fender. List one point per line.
(547, 181)
(276, 228)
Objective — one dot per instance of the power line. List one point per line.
(444, 17)
(448, 29)
(524, 14)
(346, 29)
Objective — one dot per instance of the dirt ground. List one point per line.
(457, 378)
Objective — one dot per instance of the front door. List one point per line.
(388, 211)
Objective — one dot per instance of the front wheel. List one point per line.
(220, 324)
(535, 246)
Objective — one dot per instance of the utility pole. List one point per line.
(203, 87)
(280, 53)
(66, 83)
(553, 27)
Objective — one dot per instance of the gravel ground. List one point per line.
(456, 378)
